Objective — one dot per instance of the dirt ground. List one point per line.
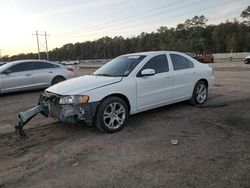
(213, 148)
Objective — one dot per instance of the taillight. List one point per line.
(70, 68)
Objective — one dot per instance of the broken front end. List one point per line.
(65, 108)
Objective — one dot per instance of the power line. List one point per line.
(121, 19)
(157, 14)
(173, 16)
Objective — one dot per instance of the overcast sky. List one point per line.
(70, 21)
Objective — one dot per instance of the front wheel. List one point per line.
(111, 115)
(247, 62)
(200, 93)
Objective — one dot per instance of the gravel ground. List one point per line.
(213, 147)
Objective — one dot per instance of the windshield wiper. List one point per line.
(109, 75)
(103, 75)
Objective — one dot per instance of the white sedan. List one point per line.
(247, 60)
(127, 85)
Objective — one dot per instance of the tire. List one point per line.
(57, 79)
(247, 62)
(200, 93)
(111, 115)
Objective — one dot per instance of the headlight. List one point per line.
(74, 99)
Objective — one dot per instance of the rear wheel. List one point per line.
(111, 115)
(200, 93)
(57, 79)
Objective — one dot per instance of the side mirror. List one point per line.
(7, 71)
(147, 72)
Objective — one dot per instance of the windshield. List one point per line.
(5, 66)
(120, 66)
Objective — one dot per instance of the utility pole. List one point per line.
(38, 48)
(0, 55)
(45, 35)
(39, 45)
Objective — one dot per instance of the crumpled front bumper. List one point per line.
(68, 113)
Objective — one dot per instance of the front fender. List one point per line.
(126, 87)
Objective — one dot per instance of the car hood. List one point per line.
(76, 86)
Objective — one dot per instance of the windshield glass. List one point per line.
(5, 66)
(120, 66)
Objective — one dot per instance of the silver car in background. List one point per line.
(31, 74)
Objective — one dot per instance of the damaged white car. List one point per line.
(127, 85)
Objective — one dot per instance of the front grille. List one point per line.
(55, 110)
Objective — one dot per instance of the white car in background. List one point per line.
(69, 62)
(126, 85)
(31, 74)
(247, 60)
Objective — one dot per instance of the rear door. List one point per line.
(18, 77)
(184, 76)
(155, 89)
(44, 72)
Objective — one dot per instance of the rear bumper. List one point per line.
(70, 113)
(210, 82)
(70, 75)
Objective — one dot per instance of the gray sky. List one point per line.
(70, 21)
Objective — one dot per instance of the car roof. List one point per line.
(9, 64)
(29, 60)
(151, 53)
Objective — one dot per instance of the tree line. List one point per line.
(194, 35)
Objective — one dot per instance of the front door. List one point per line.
(155, 89)
(18, 77)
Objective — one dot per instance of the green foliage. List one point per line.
(246, 15)
(197, 21)
(194, 35)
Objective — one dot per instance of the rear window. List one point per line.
(180, 62)
(44, 65)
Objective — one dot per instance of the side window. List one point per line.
(26, 66)
(158, 63)
(180, 62)
(43, 65)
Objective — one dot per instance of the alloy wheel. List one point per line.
(201, 93)
(114, 115)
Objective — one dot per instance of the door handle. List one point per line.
(27, 74)
(50, 71)
(167, 77)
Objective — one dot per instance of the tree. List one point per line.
(196, 21)
(245, 14)
(194, 35)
